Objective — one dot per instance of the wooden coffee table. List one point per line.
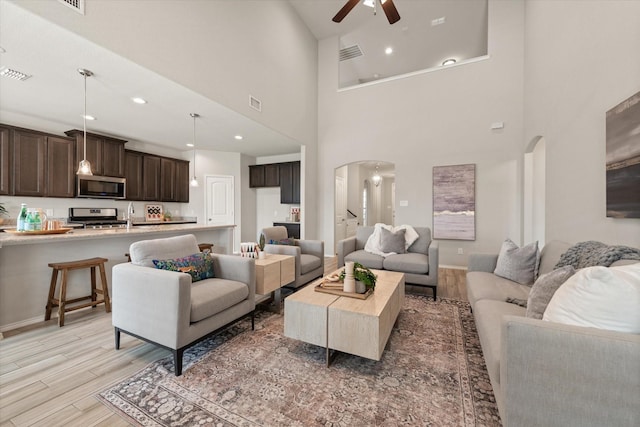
(350, 325)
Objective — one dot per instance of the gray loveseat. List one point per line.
(550, 374)
(420, 263)
(165, 308)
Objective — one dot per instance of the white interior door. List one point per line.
(219, 199)
(341, 209)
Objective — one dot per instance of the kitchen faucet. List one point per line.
(130, 211)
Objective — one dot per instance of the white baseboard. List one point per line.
(23, 323)
(453, 267)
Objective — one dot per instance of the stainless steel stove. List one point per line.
(96, 218)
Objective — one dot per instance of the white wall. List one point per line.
(582, 58)
(436, 118)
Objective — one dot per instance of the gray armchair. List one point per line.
(309, 254)
(164, 308)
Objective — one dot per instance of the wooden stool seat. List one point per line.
(62, 301)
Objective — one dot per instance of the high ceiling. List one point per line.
(52, 98)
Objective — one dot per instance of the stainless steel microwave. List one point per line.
(101, 187)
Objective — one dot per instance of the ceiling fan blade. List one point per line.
(390, 10)
(345, 10)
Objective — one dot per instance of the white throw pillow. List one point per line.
(599, 297)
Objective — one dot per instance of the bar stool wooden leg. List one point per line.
(94, 293)
(105, 289)
(52, 292)
(63, 298)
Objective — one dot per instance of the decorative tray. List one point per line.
(39, 232)
(334, 289)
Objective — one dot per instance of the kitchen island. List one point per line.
(24, 259)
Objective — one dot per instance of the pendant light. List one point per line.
(194, 180)
(376, 178)
(84, 168)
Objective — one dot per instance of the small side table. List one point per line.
(273, 272)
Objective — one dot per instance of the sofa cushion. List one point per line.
(422, 243)
(362, 235)
(392, 241)
(544, 288)
(407, 263)
(482, 285)
(488, 316)
(199, 266)
(211, 296)
(366, 259)
(518, 264)
(599, 297)
(145, 251)
(550, 255)
(309, 263)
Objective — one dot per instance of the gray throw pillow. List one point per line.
(518, 264)
(391, 241)
(544, 288)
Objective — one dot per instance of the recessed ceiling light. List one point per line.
(88, 117)
(238, 137)
(449, 61)
(189, 144)
(388, 50)
(138, 100)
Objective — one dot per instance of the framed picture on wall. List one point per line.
(454, 202)
(623, 159)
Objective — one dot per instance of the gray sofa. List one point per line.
(420, 263)
(163, 307)
(550, 374)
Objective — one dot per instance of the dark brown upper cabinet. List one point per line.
(182, 181)
(42, 164)
(151, 177)
(264, 175)
(290, 183)
(133, 174)
(5, 162)
(105, 154)
(167, 180)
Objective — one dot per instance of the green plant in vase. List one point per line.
(362, 274)
(261, 242)
(3, 212)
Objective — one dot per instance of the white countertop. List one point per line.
(11, 239)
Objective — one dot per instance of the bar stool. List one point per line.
(62, 301)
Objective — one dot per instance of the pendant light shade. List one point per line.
(194, 180)
(84, 168)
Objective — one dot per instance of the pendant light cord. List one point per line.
(84, 117)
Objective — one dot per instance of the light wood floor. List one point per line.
(49, 375)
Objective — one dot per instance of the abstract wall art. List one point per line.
(623, 159)
(454, 202)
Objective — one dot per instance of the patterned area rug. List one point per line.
(433, 374)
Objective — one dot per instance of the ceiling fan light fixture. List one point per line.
(369, 3)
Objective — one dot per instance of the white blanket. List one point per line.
(373, 242)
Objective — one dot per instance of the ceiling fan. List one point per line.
(387, 5)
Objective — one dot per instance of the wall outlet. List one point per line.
(460, 251)
(404, 203)
(49, 212)
(275, 214)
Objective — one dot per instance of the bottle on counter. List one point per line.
(22, 217)
(33, 221)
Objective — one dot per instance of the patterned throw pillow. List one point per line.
(518, 264)
(199, 266)
(287, 242)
